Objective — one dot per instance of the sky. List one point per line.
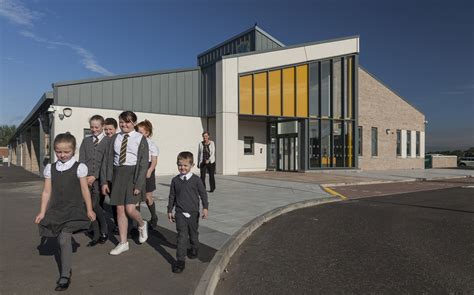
(421, 49)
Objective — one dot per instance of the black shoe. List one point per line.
(64, 286)
(103, 238)
(153, 222)
(116, 231)
(179, 266)
(193, 253)
(93, 243)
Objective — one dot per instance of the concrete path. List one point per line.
(236, 201)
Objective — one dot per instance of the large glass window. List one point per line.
(289, 92)
(274, 93)
(349, 143)
(349, 97)
(338, 140)
(325, 88)
(374, 142)
(245, 95)
(314, 89)
(326, 153)
(399, 143)
(314, 147)
(260, 93)
(417, 143)
(337, 86)
(302, 91)
(408, 143)
(272, 149)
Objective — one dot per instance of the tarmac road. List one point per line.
(419, 242)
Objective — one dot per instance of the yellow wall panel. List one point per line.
(302, 91)
(260, 94)
(289, 92)
(274, 93)
(245, 95)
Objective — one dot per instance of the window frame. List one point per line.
(252, 145)
(374, 145)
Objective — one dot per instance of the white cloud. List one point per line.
(17, 13)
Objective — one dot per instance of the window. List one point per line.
(349, 97)
(408, 143)
(359, 141)
(417, 143)
(274, 93)
(349, 143)
(399, 143)
(87, 132)
(289, 92)
(260, 93)
(245, 95)
(337, 87)
(314, 148)
(326, 152)
(248, 145)
(325, 89)
(314, 90)
(302, 91)
(374, 142)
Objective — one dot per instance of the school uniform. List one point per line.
(126, 167)
(93, 153)
(66, 213)
(154, 151)
(207, 152)
(185, 192)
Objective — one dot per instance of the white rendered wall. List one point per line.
(172, 134)
(257, 161)
(422, 144)
(265, 60)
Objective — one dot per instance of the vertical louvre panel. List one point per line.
(260, 94)
(289, 92)
(274, 89)
(98, 94)
(155, 93)
(245, 95)
(146, 93)
(350, 83)
(302, 91)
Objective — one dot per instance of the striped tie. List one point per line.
(96, 140)
(123, 150)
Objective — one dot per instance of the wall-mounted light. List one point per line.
(388, 131)
(67, 112)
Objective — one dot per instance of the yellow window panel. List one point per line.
(302, 91)
(289, 92)
(260, 94)
(274, 93)
(245, 95)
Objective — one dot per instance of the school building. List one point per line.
(268, 106)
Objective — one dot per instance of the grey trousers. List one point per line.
(99, 226)
(65, 246)
(187, 229)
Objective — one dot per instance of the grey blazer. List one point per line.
(140, 169)
(92, 156)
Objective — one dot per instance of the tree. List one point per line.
(6, 132)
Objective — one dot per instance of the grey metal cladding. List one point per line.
(180, 88)
(263, 42)
(128, 94)
(174, 93)
(164, 94)
(155, 94)
(137, 91)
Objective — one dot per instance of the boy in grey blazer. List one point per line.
(92, 153)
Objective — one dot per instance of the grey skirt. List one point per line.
(122, 186)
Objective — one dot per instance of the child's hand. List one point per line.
(204, 213)
(148, 174)
(91, 215)
(39, 217)
(136, 192)
(90, 180)
(171, 218)
(105, 189)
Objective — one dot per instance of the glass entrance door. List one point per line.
(288, 152)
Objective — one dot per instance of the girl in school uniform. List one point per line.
(146, 128)
(62, 210)
(126, 168)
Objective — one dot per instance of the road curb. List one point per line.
(208, 282)
(324, 185)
